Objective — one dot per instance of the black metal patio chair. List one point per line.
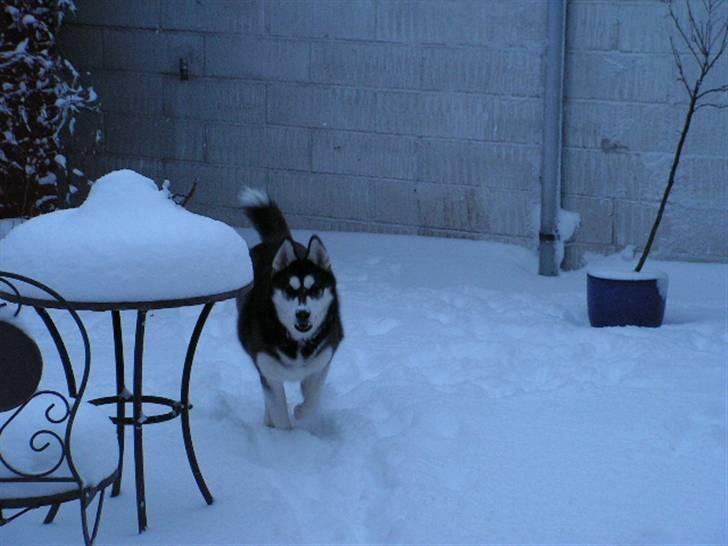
(54, 446)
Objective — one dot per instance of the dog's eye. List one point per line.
(315, 292)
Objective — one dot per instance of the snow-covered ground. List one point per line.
(470, 403)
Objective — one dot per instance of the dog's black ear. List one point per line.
(285, 255)
(317, 253)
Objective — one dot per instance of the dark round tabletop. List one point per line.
(12, 297)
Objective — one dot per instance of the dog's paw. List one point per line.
(301, 411)
(284, 425)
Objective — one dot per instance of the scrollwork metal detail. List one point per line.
(57, 412)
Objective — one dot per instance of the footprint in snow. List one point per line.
(381, 326)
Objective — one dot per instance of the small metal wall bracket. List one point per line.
(184, 70)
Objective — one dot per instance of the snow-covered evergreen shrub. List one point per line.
(40, 96)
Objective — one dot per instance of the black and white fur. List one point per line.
(289, 321)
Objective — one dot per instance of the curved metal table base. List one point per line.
(178, 408)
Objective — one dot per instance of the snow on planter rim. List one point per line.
(618, 274)
(127, 242)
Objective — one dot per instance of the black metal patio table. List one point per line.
(137, 397)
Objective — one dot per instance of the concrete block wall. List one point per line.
(402, 116)
(624, 112)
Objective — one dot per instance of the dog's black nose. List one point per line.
(302, 316)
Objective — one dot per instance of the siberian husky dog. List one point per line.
(289, 321)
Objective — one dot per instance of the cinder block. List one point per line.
(232, 216)
(644, 27)
(83, 46)
(515, 72)
(155, 137)
(507, 212)
(244, 16)
(330, 107)
(258, 146)
(121, 13)
(364, 154)
(367, 65)
(128, 92)
(320, 195)
(592, 25)
(597, 218)
(632, 223)
(617, 127)
(215, 99)
(473, 22)
(153, 51)
(449, 207)
(708, 132)
(479, 164)
(620, 127)
(347, 19)
(407, 113)
(700, 183)
(239, 56)
(476, 117)
(394, 202)
(575, 254)
(321, 226)
(599, 173)
(697, 234)
(619, 76)
(684, 233)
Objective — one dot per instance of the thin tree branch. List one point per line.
(712, 105)
(695, 31)
(721, 89)
(723, 46)
(680, 30)
(679, 64)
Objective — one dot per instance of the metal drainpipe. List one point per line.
(552, 138)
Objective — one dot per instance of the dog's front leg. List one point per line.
(311, 390)
(276, 406)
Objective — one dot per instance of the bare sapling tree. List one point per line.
(706, 40)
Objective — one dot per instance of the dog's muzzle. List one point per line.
(303, 324)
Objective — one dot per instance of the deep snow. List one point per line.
(470, 403)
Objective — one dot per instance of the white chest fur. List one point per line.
(284, 369)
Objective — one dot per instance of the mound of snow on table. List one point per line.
(128, 242)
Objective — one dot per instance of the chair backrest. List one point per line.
(37, 417)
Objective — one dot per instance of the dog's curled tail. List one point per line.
(264, 214)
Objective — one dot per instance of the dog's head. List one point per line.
(304, 287)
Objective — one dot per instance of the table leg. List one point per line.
(122, 395)
(185, 403)
(139, 420)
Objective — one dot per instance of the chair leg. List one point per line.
(89, 535)
(51, 514)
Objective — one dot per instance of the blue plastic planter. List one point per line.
(626, 298)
